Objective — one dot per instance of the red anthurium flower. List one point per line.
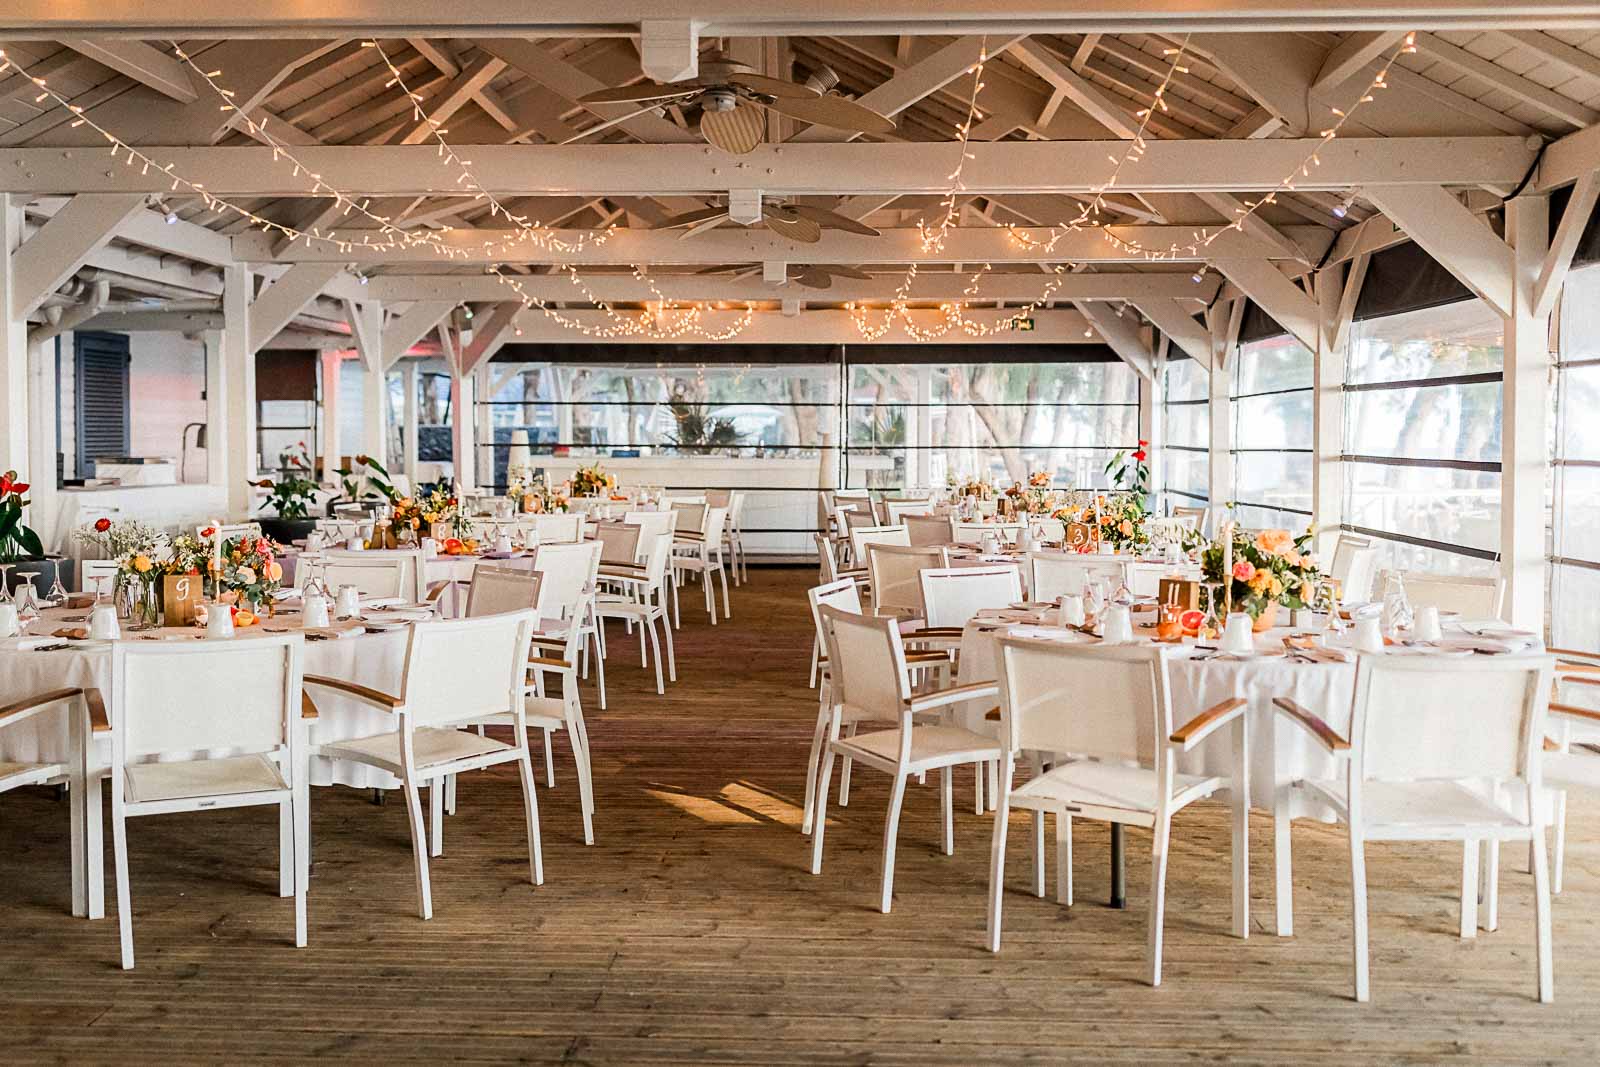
(20, 487)
(209, 531)
(1142, 443)
(1139, 455)
(6, 480)
(102, 525)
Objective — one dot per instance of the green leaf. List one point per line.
(375, 465)
(30, 541)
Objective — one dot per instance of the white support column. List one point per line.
(408, 431)
(375, 414)
(42, 495)
(240, 446)
(1334, 301)
(924, 424)
(483, 458)
(463, 438)
(1524, 447)
(216, 409)
(13, 346)
(1224, 336)
(331, 363)
(1150, 391)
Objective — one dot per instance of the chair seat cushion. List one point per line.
(1104, 785)
(14, 774)
(941, 744)
(542, 713)
(186, 779)
(431, 746)
(1436, 805)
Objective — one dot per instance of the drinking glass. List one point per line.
(27, 603)
(58, 592)
(1213, 616)
(100, 581)
(5, 581)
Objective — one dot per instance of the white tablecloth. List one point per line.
(372, 659)
(1279, 751)
(1144, 575)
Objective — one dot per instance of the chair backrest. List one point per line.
(1111, 702)
(652, 524)
(862, 536)
(619, 541)
(895, 509)
(1194, 518)
(927, 530)
(656, 553)
(894, 571)
(827, 565)
(230, 530)
(500, 589)
(971, 533)
(91, 569)
(843, 594)
(465, 669)
(719, 498)
(376, 574)
(1360, 570)
(184, 697)
(866, 664)
(1050, 574)
(715, 524)
(1474, 598)
(568, 570)
(1344, 551)
(953, 595)
(558, 527)
(1416, 718)
(851, 518)
(691, 517)
(736, 511)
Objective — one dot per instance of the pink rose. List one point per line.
(1244, 570)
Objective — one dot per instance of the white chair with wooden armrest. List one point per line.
(1111, 707)
(14, 774)
(929, 531)
(1426, 735)
(871, 682)
(570, 571)
(895, 511)
(845, 595)
(175, 699)
(1471, 598)
(1572, 751)
(392, 575)
(893, 575)
(702, 553)
(1052, 574)
(558, 527)
(861, 538)
(1355, 568)
(972, 533)
(643, 601)
(1194, 518)
(458, 672)
(557, 654)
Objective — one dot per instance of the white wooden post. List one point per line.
(1327, 417)
(13, 347)
(216, 409)
(1524, 448)
(331, 364)
(408, 432)
(43, 496)
(1224, 334)
(463, 393)
(483, 458)
(240, 379)
(1150, 391)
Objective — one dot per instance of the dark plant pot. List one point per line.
(42, 573)
(285, 531)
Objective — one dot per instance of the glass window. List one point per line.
(1185, 434)
(1422, 420)
(1271, 398)
(1574, 601)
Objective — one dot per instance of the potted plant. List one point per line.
(364, 481)
(20, 545)
(290, 496)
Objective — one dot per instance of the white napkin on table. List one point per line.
(27, 644)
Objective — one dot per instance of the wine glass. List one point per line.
(58, 592)
(100, 581)
(27, 603)
(5, 582)
(1213, 616)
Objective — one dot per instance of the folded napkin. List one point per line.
(1500, 644)
(1048, 633)
(27, 644)
(76, 633)
(381, 601)
(328, 633)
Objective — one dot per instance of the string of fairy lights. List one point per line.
(661, 318)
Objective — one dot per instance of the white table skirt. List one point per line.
(374, 659)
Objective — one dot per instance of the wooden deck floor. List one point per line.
(692, 932)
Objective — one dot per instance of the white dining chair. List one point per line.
(844, 594)
(929, 530)
(557, 527)
(971, 533)
(701, 553)
(1574, 762)
(457, 672)
(1438, 749)
(1471, 598)
(566, 598)
(1110, 706)
(1192, 517)
(643, 600)
(619, 542)
(176, 699)
(91, 571)
(652, 524)
(893, 571)
(16, 773)
(871, 681)
(1052, 574)
(229, 530)
(495, 590)
(952, 596)
(397, 574)
(895, 510)
(1355, 568)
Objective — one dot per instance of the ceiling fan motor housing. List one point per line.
(719, 99)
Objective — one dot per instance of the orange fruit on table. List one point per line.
(452, 546)
(1191, 621)
(244, 617)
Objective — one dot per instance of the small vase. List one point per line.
(145, 604)
(1267, 619)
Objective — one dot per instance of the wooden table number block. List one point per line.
(180, 595)
(1180, 591)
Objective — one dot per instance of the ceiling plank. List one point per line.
(1351, 55)
(1498, 77)
(1557, 51)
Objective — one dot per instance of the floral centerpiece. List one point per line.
(963, 487)
(1034, 498)
(533, 495)
(592, 481)
(250, 571)
(438, 505)
(16, 539)
(1265, 569)
(137, 550)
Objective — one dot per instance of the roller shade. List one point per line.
(1405, 278)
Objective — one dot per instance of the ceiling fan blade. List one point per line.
(626, 94)
(788, 224)
(705, 224)
(812, 278)
(690, 218)
(833, 220)
(848, 272)
(724, 268)
(835, 111)
(737, 131)
(777, 87)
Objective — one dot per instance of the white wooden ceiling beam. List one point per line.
(1525, 89)
(1461, 241)
(1122, 334)
(917, 82)
(669, 49)
(1277, 295)
(1060, 326)
(1175, 318)
(1277, 70)
(1101, 106)
(32, 19)
(366, 330)
(571, 82)
(1564, 243)
(737, 244)
(489, 332)
(1232, 209)
(1349, 293)
(801, 169)
(276, 306)
(463, 88)
(63, 244)
(1575, 60)
(1085, 49)
(139, 61)
(929, 287)
(407, 329)
(1350, 57)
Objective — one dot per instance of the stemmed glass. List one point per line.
(27, 603)
(5, 582)
(58, 592)
(100, 581)
(1213, 617)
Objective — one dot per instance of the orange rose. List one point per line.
(275, 572)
